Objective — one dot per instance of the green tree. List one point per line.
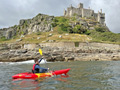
(55, 20)
(79, 29)
(100, 29)
(62, 19)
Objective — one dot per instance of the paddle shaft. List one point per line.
(40, 51)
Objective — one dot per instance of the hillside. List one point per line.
(78, 24)
(44, 28)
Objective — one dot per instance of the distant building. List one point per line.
(82, 12)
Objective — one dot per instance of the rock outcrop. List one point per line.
(40, 23)
(60, 52)
(45, 23)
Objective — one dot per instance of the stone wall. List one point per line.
(87, 13)
(71, 11)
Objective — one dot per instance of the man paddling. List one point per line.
(37, 68)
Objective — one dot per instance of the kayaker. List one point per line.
(37, 68)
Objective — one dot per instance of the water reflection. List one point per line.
(25, 84)
(44, 83)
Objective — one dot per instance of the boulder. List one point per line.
(21, 51)
(21, 22)
(60, 36)
(10, 33)
(50, 35)
(38, 38)
(69, 58)
(66, 34)
(91, 28)
(51, 41)
(18, 40)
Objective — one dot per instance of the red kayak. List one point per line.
(30, 75)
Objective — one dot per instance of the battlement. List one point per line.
(82, 12)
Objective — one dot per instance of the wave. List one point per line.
(25, 62)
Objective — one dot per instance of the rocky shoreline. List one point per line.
(61, 51)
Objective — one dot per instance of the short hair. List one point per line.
(35, 60)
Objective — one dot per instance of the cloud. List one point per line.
(14, 10)
(111, 10)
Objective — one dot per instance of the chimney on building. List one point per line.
(88, 7)
(101, 10)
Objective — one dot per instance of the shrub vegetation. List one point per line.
(104, 36)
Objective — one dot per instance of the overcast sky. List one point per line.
(11, 11)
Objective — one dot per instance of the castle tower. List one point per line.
(101, 10)
(80, 5)
(82, 12)
(98, 19)
(101, 18)
(65, 12)
(71, 6)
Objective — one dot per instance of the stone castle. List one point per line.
(87, 13)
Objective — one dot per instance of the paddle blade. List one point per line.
(40, 51)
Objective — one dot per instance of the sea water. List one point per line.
(95, 75)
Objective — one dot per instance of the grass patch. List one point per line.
(39, 33)
(107, 37)
(3, 39)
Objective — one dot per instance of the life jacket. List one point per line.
(34, 67)
(35, 70)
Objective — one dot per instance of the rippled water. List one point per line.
(82, 76)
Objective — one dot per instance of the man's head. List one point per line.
(36, 61)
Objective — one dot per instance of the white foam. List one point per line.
(31, 62)
(25, 62)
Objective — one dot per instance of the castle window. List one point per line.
(102, 17)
